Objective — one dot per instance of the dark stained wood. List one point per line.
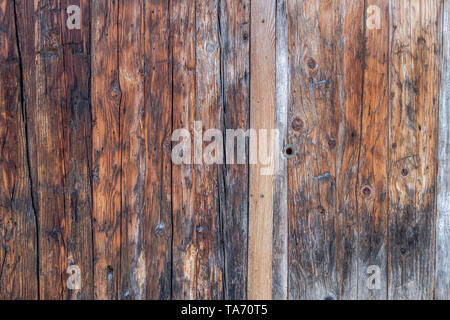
(77, 152)
(18, 229)
(131, 40)
(158, 130)
(358, 182)
(235, 73)
(106, 97)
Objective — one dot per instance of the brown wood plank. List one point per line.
(133, 157)
(372, 194)
(235, 63)
(350, 53)
(262, 116)
(106, 96)
(44, 99)
(415, 51)
(77, 152)
(183, 178)
(158, 129)
(18, 229)
(443, 195)
(312, 128)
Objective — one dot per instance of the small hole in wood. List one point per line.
(290, 151)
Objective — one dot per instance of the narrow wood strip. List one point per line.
(77, 153)
(280, 200)
(106, 152)
(235, 61)
(184, 249)
(158, 130)
(18, 229)
(372, 194)
(262, 117)
(443, 192)
(133, 157)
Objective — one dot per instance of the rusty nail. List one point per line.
(297, 124)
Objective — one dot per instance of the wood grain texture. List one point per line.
(443, 194)
(372, 194)
(262, 117)
(359, 177)
(132, 154)
(312, 128)
(235, 78)
(158, 129)
(106, 99)
(415, 51)
(18, 228)
(77, 149)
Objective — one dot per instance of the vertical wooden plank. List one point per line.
(262, 116)
(18, 229)
(280, 200)
(184, 249)
(349, 64)
(312, 128)
(132, 140)
(44, 99)
(158, 129)
(208, 110)
(373, 164)
(414, 107)
(197, 254)
(235, 63)
(106, 98)
(443, 194)
(77, 151)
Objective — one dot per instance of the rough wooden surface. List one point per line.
(358, 91)
(443, 195)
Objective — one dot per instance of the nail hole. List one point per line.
(290, 151)
(366, 191)
(405, 172)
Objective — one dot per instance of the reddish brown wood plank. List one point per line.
(106, 98)
(18, 252)
(77, 152)
(158, 129)
(131, 41)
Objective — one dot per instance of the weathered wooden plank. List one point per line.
(209, 110)
(443, 191)
(262, 117)
(132, 142)
(350, 52)
(414, 96)
(158, 128)
(77, 152)
(106, 98)
(18, 229)
(183, 193)
(373, 164)
(235, 61)
(280, 200)
(44, 100)
(312, 128)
